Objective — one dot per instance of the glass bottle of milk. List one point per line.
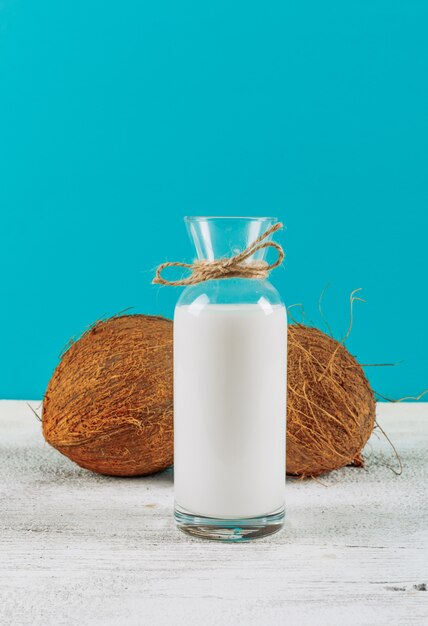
(230, 359)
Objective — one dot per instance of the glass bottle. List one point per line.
(230, 358)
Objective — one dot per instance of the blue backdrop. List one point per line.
(116, 119)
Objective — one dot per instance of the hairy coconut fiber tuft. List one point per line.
(330, 405)
(109, 403)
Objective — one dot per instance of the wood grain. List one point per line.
(81, 549)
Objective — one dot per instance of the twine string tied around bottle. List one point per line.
(233, 267)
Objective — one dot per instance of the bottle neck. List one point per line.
(223, 237)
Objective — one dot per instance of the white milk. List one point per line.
(229, 409)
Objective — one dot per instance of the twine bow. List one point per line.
(233, 267)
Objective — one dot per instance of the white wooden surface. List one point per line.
(77, 548)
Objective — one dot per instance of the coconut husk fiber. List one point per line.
(109, 403)
(330, 405)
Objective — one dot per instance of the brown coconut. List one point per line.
(109, 403)
(330, 405)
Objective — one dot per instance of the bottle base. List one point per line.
(233, 530)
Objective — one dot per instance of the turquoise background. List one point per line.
(116, 119)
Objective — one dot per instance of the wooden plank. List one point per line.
(77, 548)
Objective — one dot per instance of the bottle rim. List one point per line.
(203, 218)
